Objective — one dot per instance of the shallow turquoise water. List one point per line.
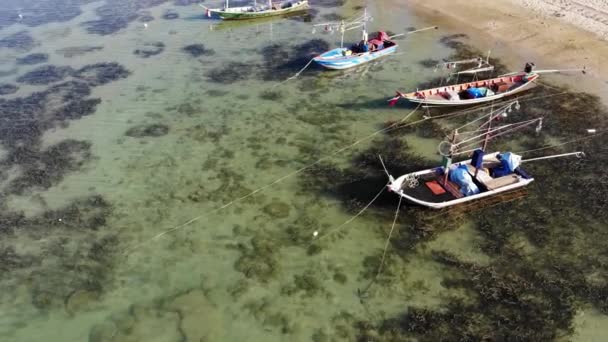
(177, 244)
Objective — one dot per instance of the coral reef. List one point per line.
(34, 58)
(150, 49)
(153, 130)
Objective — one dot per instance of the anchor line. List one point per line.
(386, 245)
(291, 174)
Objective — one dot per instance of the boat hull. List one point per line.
(396, 186)
(430, 97)
(243, 13)
(334, 59)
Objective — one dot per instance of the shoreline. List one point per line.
(518, 34)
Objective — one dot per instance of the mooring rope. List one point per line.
(336, 229)
(393, 126)
(291, 174)
(297, 73)
(386, 245)
(595, 135)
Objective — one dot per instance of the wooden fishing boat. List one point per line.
(430, 188)
(257, 11)
(482, 176)
(340, 58)
(471, 92)
(365, 51)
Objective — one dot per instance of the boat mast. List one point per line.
(364, 38)
(487, 137)
(342, 30)
(447, 160)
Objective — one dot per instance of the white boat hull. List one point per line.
(396, 186)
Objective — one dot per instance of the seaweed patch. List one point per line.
(101, 73)
(327, 3)
(169, 15)
(75, 51)
(46, 74)
(281, 62)
(197, 50)
(116, 15)
(19, 41)
(34, 58)
(7, 89)
(153, 130)
(150, 49)
(231, 72)
(42, 170)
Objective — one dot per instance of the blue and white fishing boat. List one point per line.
(365, 51)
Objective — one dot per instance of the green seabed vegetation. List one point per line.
(540, 259)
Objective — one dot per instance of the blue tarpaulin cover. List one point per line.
(508, 163)
(475, 93)
(477, 159)
(460, 175)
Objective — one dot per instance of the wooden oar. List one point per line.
(415, 31)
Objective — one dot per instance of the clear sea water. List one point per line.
(225, 127)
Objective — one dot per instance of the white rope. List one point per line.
(579, 154)
(297, 74)
(564, 143)
(388, 240)
(300, 170)
(383, 253)
(334, 230)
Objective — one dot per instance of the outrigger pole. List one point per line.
(415, 31)
(578, 154)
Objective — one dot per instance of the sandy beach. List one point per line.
(555, 34)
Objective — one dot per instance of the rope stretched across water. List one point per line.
(297, 73)
(291, 174)
(386, 245)
(392, 127)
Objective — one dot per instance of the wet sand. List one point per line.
(531, 33)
